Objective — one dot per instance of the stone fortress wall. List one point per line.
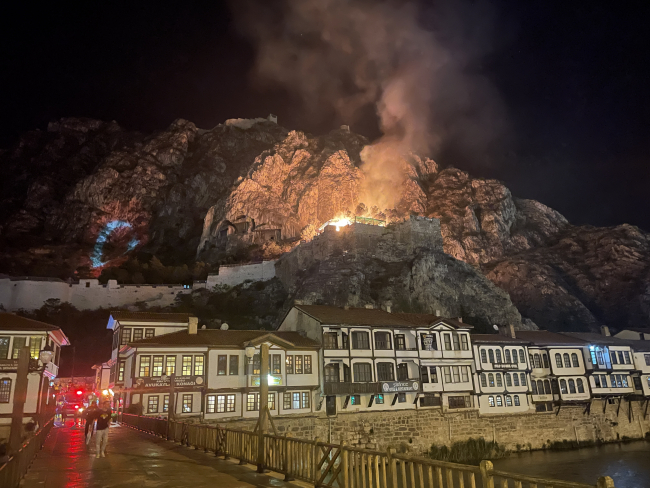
(396, 242)
(421, 428)
(29, 293)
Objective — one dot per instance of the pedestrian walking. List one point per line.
(90, 420)
(103, 418)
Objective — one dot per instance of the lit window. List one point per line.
(271, 401)
(211, 403)
(166, 403)
(508, 401)
(19, 343)
(126, 336)
(379, 399)
(308, 369)
(355, 400)
(298, 364)
(305, 399)
(187, 403)
(35, 347)
(170, 365)
(149, 333)
(157, 369)
(295, 401)
(491, 401)
(152, 406)
(289, 364)
(287, 401)
(145, 364)
(120, 371)
(198, 365)
(499, 401)
(137, 334)
(251, 402)
(187, 365)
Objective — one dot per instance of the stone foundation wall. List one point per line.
(418, 429)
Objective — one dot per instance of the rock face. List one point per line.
(85, 194)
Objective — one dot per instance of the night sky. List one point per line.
(573, 77)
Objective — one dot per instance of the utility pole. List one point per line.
(20, 396)
(264, 404)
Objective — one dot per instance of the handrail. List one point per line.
(339, 465)
(14, 470)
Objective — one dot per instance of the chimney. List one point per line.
(437, 312)
(506, 330)
(298, 302)
(604, 330)
(388, 308)
(193, 325)
(460, 319)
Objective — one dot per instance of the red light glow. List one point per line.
(79, 392)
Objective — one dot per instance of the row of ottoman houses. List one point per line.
(333, 360)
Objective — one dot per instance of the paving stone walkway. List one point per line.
(135, 459)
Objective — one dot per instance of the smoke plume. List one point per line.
(416, 66)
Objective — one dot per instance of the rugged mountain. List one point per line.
(84, 194)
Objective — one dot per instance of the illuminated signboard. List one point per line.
(400, 386)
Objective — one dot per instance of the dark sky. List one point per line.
(573, 77)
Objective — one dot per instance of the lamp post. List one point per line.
(45, 356)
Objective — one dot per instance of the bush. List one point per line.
(471, 451)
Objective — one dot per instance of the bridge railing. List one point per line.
(14, 470)
(339, 465)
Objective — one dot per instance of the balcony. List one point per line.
(345, 388)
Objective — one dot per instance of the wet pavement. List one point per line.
(135, 459)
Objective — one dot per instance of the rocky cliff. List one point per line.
(86, 194)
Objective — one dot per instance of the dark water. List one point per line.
(627, 464)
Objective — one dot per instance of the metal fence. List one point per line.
(14, 470)
(340, 465)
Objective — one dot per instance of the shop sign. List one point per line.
(159, 382)
(400, 386)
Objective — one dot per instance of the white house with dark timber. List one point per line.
(376, 360)
(502, 374)
(15, 333)
(215, 379)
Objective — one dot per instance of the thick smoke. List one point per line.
(349, 54)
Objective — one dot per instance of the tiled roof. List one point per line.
(495, 338)
(546, 338)
(9, 321)
(218, 337)
(150, 317)
(330, 315)
(595, 338)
